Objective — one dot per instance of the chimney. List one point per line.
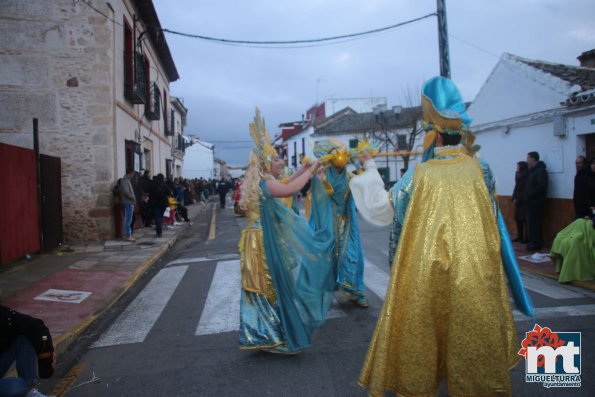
(587, 59)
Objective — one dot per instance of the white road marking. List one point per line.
(62, 295)
(221, 312)
(216, 257)
(550, 288)
(335, 311)
(134, 324)
(557, 312)
(222, 308)
(375, 279)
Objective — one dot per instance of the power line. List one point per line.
(474, 46)
(304, 41)
(267, 43)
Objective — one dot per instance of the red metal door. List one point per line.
(19, 209)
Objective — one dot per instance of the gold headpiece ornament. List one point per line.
(263, 149)
(444, 111)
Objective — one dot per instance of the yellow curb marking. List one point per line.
(212, 226)
(68, 380)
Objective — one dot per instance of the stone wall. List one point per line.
(57, 62)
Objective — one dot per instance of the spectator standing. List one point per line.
(580, 196)
(534, 195)
(591, 185)
(24, 341)
(222, 189)
(128, 200)
(146, 211)
(158, 198)
(520, 207)
(201, 190)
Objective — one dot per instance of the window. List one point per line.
(128, 59)
(303, 147)
(148, 160)
(147, 77)
(135, 83)
(166, 120)
(402, 142)
(153, 105)
(294, 157)
(353, 143)
(172, 118)
(168, 168)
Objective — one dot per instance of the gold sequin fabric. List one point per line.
(446, 316)
(253, 264)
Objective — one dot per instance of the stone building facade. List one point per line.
(76, 67)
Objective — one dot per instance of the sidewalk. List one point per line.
(80, 282)
(71, 287)
(545, 268)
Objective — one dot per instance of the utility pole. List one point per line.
(443, 39)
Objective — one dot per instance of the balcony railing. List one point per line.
(153, 107)
(136, 89)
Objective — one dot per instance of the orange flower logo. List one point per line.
(539, 337)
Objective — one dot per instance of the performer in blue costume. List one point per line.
(287, 273)
(446, 316)
(335, 206)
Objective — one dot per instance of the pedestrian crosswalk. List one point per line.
(135, 323)
(221, 310)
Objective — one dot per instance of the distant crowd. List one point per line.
(162, 201)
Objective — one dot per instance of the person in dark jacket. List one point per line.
(534, 196)
(146, 210)
(520, 207)
(22, 343)
(591, 188)
(580, 195)
(158, 198)
(222, 189)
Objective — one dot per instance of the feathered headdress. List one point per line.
(263, 148)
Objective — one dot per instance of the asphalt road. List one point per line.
(175, 333)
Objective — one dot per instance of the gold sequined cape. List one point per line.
(446, 315)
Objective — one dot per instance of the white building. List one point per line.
(199, 160)
(178, 143)
(529, 105)
(296, 139)
(349, 127)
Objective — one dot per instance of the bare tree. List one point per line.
(387, 126)
(413, 102)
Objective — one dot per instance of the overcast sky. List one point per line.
(221, 84)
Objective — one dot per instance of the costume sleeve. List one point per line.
(401, 195)
(490, 180)
(371, 200)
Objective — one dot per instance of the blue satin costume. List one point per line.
(334, 205)
(287, 278)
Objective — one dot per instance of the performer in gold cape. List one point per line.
(446, 315)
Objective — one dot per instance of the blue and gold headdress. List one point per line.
(332, 151)
(263, 148)
(444, 111)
